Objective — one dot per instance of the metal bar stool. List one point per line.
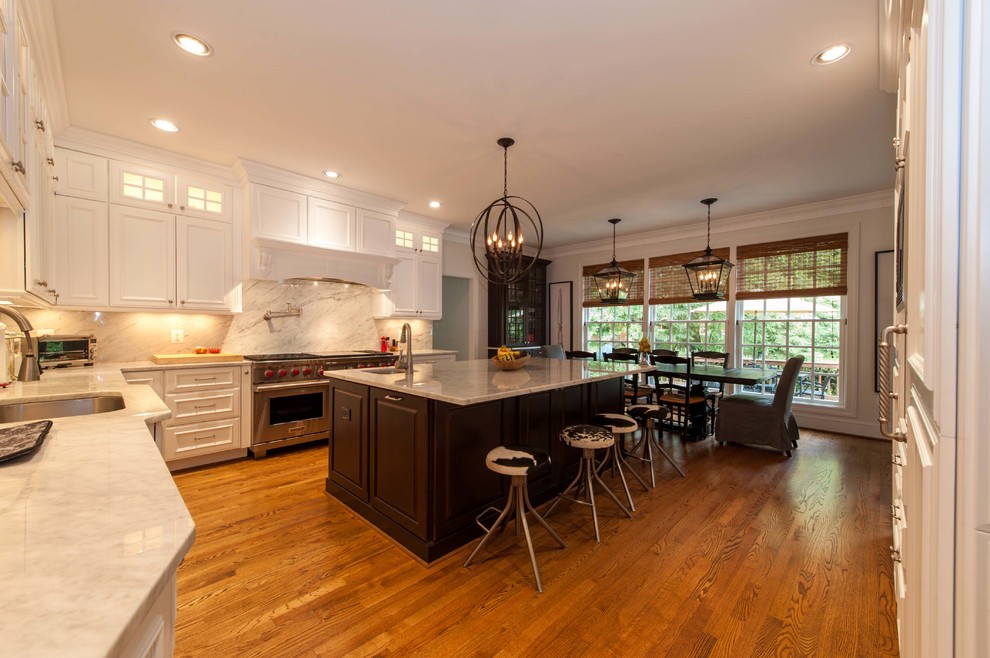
(651, 417)
(517, 462)
(620, 424)
(588, 438)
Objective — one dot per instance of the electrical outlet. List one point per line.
(178, 336)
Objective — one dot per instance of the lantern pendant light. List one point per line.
(503, 226)
(613, 282)
(708, 274)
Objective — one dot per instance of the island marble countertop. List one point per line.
(92, 526)
(471, 382)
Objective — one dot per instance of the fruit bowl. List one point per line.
(514, 364)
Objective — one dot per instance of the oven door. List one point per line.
(286, 411)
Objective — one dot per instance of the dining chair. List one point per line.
(552, 352)
(663, 352)
(754, 419)
(714, 391)
(580, 354)
(632, 391)
(685, 402)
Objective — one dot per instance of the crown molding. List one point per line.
(423, 220)
(116, 148)
(39, 23)
(249, 171)
(810, 211)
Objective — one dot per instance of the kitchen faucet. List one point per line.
(405, 361)
(29, 371)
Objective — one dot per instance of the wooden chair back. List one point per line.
(707, 357)
(580, 354)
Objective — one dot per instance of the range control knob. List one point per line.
(281, 372)
(269, 373)
(321, 372)
(307, 371)
(295, 371)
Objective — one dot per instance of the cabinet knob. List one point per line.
(18, 166)
(183, 301)
(170, 301)
(895, 554)
(182, 207)
(170, 205)
(40, 125)
(51, 161)
(55, 178)
(43, 284)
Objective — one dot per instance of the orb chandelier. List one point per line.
(504, 226)
(708, 274)
(613, 282)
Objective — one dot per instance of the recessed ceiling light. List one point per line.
(331, 174)
(192, 45)
(164, 124)
(434, 204)
(832, 54)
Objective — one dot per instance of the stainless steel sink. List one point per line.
(386, 371)
(44, 409)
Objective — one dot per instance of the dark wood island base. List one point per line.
(415, 467)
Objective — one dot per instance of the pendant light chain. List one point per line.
(708, 242)
(505, 172)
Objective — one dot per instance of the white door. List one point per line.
(430, 280)
(203, 270)
(142, 258)
(206, 199)
(137, 185)
(79, 252)
(924, 357)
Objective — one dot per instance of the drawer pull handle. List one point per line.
(204, 406)
(895, 554)
(394, 398)
(200, 438)
(205, 379)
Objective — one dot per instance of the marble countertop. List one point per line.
(91, 524)
(471, 382)
(151, 365)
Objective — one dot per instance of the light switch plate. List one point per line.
(178, 335)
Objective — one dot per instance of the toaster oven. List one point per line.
(64, 351)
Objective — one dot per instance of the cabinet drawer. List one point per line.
(202, 438)
(200, 379)
(207, 405)
(152, 378)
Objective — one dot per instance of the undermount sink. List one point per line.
(386, 371)
(44, 409)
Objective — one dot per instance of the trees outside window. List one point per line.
(689, 327)
(608, 327)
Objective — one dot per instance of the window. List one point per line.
(431, 244)
(686, 328)
(205, 200)
(404, 239)
(608, 326)
(146, 188)
(793, 295)
(679, 322)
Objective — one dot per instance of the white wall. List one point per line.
(869, 221)
(459, 262)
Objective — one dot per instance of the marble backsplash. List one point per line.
(332, 317)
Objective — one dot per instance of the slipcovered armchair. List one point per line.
(753, 419)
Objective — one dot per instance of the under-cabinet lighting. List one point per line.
(192, 45)
(164, 125)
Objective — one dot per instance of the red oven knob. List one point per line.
(295, 371)
(321, 372)
(307, 371)
(269, 374)
(281, 372)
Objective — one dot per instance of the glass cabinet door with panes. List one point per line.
(517, 312)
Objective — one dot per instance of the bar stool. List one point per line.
(651, 417)
(517, 462)
(588, 438)
(620, 424)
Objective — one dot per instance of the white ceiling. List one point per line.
(634, 109)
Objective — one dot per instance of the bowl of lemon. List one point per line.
(508, 359)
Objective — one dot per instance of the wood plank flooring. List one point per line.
(752, 554)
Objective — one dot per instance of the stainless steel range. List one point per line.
(292, 397)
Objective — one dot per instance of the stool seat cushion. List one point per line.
(518, 460)
(617, 423)
(586, 436)
(645, 411)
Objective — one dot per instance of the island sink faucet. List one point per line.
(405, 361)
(29, 372)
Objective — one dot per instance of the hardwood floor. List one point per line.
(752, 554)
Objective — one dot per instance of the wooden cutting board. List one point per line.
(179, 359)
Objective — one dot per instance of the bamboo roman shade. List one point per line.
(591, 297)
(793, 268)
(668, 280)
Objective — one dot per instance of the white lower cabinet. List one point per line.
(158, 260)
(80, 232)
(154, 634)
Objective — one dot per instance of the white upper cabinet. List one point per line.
(203, 267)
(81, 175)
(417, 238)
(142, 258)
(80, 267)
(278, 214)
(416, 288)
(375, 232)
(331, 225)
(157, 189)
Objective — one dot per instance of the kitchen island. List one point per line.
(92, 527)
(409, 455)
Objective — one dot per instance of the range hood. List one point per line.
(278, 260)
